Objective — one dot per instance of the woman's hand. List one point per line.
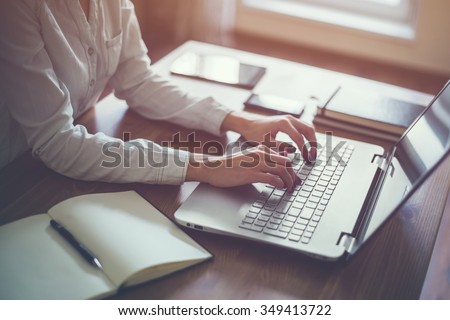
(257, 164)
(263, 130)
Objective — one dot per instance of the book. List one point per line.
(370, 110)
(134, 242)
(327, 124)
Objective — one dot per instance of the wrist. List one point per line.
(199, 168)
(236, 121)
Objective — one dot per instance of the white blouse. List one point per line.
(54, 63)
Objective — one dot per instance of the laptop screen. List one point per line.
(420, 149)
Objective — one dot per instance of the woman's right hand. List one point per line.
(257, 164)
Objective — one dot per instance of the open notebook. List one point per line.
(133, 241)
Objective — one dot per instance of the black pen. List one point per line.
(87, 255)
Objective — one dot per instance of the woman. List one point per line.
(56, 58)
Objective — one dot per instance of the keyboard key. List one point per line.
(320, 188)
(251, 215)
(269, 207)
(285, 229)
(302, 176)
(283, 206)
(307, 213)
(298, 231)
(322, 183)
(247, 226)
(272, 226)
(260, 223)
(301, 224)
(321, 207)
(306, 240)
(273, 200)
(334, 182)
(279, 192)
(275, 221)
(254, 209)
(258, 204)
(276, 233)
(257, 228)
(310, 205)
(294, 237)
(304, 194)
(263, 218)
(290, 198)
(287, 223)
(314, 223)
(315, 218)
(290, 219)
(307, 234)
(327, 173)
(300, 200)
(317, 194)
(248, 220)
(278, 215)
(266, 213)
(308, 188)
(310, 183)
(310, 229)
(294, 212)
(297, 205)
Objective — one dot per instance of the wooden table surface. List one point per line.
(392, 265)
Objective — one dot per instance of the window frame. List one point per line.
(371, 16)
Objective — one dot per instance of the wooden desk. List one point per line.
(392, 265)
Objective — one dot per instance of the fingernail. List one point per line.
(291, 149)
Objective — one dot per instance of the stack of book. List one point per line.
(367, 113)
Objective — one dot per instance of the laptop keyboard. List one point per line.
(295, 215)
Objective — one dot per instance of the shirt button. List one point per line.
(92, 82)
(90, 51)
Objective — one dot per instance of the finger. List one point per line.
(282, 146)
(273, 158)
(310, 134)
(269, 178)
(281, 171)
(270, 156)
(288, 128)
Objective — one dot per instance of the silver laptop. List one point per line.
(345, 196)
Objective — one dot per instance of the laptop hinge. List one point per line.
(381, 161)
(347, 241)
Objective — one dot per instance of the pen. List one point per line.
(85, 252)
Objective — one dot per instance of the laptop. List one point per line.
(345, 196)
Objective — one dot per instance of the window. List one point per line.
(395, 18)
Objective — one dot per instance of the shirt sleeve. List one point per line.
(40, 102)
(153, 96)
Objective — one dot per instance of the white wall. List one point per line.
(430, 51)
